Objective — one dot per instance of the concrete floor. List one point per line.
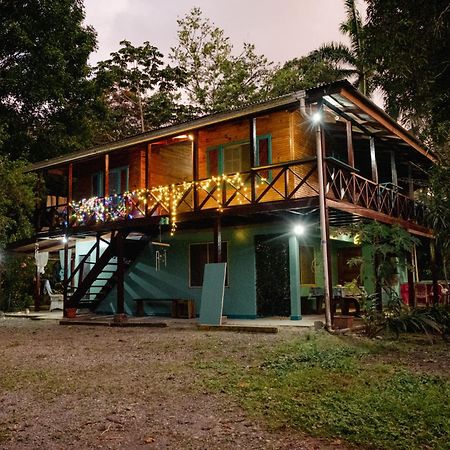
(306, 321)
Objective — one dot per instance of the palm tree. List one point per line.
(350, 60)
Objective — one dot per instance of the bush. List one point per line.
(16, 282)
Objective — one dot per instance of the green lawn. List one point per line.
(369, 393)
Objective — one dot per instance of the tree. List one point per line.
(45, 95)
(351, 61)
(410, 47)
(17, 201)
(139, 91)
(302, 73)
(216, 79)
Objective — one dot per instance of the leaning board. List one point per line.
(212, 294)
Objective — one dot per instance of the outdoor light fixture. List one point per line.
(299, 229)
(316, 117)
(64, 239)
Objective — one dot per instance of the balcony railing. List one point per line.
(271, 183)
(348, 186)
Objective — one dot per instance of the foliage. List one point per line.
(139, 91)
(334, 387)
(390, 246)
(17, 201)
(438, 203)
(302, 73)
(351, 61)
(47, 103)
(216, 79)
(272, 273)
(16, 282)
(409, 43)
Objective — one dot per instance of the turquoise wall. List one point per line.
(143, 280)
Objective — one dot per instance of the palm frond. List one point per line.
(337, 53)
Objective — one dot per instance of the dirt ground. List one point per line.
(64, 387)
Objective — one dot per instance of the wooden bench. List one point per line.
(180, 308)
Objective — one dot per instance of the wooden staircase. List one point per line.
(103, 275)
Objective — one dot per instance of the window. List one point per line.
(199, 255)
(235, 157)
(307, 272)
(118, 182)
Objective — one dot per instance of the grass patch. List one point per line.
(334, 387)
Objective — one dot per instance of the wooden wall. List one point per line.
(171, 162)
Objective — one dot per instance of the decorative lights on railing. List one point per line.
(137, 203)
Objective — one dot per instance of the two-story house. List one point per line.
(259, 187)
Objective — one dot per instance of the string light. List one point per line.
(160, 200)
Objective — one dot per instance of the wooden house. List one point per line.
(143, 215)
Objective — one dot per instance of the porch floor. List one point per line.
(149, 321)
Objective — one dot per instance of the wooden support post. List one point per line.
(411, 290)
(394, 177)
(195, 163)
(97, 249)
(120, 275)
(253, 150)
(69, 192)
(66, 276)
(373, 160)
(146, 176)
(106, 177)
(434, 274)
(350, 150)
(218, 240)
(410, 182)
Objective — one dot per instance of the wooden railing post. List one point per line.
(195, 169)
(253, 150)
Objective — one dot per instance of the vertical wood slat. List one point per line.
(147, 176)
(373, 160)
(350, 150)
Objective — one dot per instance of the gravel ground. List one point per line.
(67, 387)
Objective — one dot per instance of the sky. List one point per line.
(280, 29)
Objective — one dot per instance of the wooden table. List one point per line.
(180, 308)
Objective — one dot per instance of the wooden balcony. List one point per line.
(289, 183)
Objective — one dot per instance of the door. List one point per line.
(272, 276)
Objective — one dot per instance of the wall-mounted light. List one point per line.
(316, 117)
(64, 239)
(299, 229)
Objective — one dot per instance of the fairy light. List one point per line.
(127, 206)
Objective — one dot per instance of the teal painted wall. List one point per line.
(144, 281)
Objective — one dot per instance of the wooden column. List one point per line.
(410, 182)
(120, 274)
(434, 269)
(394, 177)
(253, 150)
(69, 192)
(66, 276)
(106, 177)
(148, 152)
(195, 168)
(373, 160)
(411, 291)
(218, 240)
(350, 150)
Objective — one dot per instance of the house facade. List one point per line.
(265, 188)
